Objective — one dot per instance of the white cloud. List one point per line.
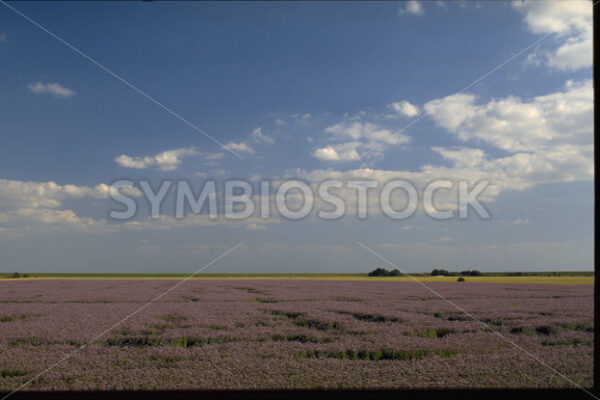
(295, 119)
(166, 161)
(55, 89)
(340, 152)
(36, 206)
(259, 137)
(571, 21)
(195, 220)
(301, 119)
(371, 134)
(546, 139)
(215, 156)
(327, 154)
(240, 147)
(412, 7)
(354, 137)
(563, 118)
(405, 108)
(46, 194)
(44, 219)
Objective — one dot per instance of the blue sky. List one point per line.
(299, 90)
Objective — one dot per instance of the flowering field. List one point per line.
(263, 334)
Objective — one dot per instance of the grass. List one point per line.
(12, 372)
(433, 333)
(265, 300)
(300, 338)
(566, 278)
(525, 330)
(288, 314)
(34, 341)
(576, 326)
(370, 317)
(173, 318)
(369, 355)
(11, 318)
(187, 341)
(317, 324)
(299, 319)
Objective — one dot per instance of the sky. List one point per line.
(496, 91)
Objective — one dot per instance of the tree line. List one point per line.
(435, 272)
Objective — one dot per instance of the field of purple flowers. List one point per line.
(264, 334)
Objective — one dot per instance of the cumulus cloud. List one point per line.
(354, 137)
(571, 21)
(339, 152)
(164, 222)
(48, 194)
(214, 156)
(39, 206)
(544, 123)
(405, 108)
(241, 147)
(296, 119)
(547, 138)
(412, 7)
(55, 89)
(259, 137)
(544, 139)
(166, 161)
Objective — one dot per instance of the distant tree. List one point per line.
(440, 272)
(470, 273)
(16, 275)
(460, 279)
(395, 272)
(379, 272)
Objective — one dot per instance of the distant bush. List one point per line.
(471, 273)
(385, 272)
(443, 272)
(379, 272)
(460, 279)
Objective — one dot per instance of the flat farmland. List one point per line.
(293, 333)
